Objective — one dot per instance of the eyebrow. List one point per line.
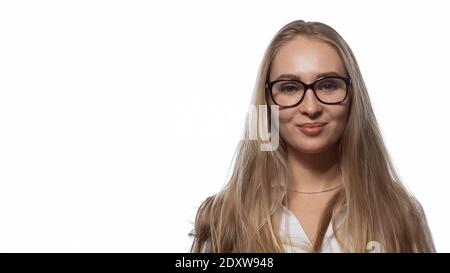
(295, 77)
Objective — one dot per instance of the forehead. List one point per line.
(306, 58)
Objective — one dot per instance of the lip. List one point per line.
(311, 129)
(312, 124)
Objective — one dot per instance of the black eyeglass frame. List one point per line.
(348, 82)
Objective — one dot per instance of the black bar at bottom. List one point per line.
(209, 262)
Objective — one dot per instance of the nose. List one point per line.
(310, 105)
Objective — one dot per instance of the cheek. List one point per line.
(286, 117)
(338, 121)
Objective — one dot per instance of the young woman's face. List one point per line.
(306, 59)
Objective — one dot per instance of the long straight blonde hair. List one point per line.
(244, 216)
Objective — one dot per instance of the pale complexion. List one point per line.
(312, 160)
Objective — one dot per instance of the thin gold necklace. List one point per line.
(316, 191)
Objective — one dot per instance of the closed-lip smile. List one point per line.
(312, 124)
(311, 129)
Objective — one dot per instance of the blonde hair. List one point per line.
(244, 215)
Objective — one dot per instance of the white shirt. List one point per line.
(294, 236)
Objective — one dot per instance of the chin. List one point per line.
(310, 151)
(310, 148)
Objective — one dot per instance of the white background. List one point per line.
(118, 118)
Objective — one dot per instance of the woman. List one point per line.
(330, 185)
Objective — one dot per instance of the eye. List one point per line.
(328, 85)
(288, 87)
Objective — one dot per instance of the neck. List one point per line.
(313, 172)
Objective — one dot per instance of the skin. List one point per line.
(312, 160)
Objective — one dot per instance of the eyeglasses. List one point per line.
(290, 93)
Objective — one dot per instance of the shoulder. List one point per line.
(421, 215)
(205, 218)
(418, 208)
